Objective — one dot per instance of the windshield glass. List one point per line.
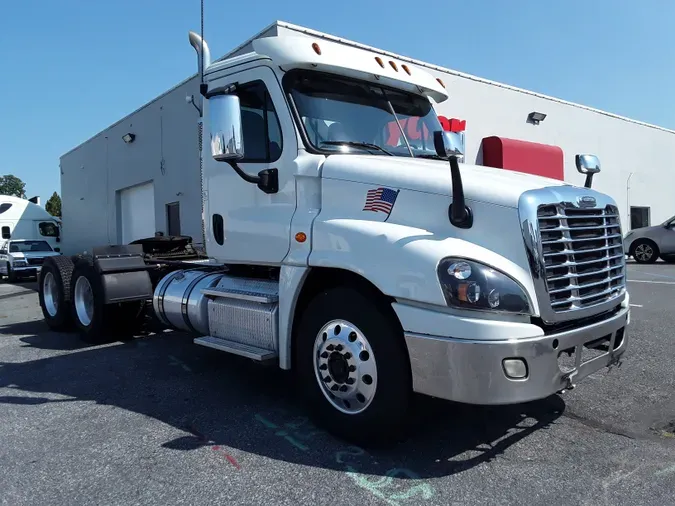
(339, 113)
(29, 246)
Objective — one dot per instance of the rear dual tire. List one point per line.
(96, 321)
(54, 292)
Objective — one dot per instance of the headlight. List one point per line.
(20, 263)
(471, 285)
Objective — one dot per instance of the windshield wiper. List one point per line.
(358, 144)
(432, 157)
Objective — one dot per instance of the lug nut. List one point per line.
(339, 347)
(334, 388)
(327, 379)
(343, 388)
(323, 367)
(350, 381)
(324, 354)
(347, 356)
(352, 368)
(330, 347)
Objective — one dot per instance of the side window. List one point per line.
(260, 124)
(5, 233)
(48, 229)
(4, 206)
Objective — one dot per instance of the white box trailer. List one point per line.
(351, 247)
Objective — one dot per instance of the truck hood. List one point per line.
(481, 184)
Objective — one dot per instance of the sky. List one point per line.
(70, 68)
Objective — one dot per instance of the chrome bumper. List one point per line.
(472, 371)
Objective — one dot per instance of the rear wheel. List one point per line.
(99, 322)
(353, 367)
(645, 251)
(54, 292)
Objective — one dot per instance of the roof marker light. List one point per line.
(393, 65)
(316, 48)
(379, 60)
(440, 82)
(407, 70)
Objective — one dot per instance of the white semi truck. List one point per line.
(371, 270)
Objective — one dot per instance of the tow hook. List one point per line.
(569, 380)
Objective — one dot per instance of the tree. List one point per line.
(53, 205)
(12, 185)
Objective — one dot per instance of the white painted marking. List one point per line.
(636, 305)
(653, 282)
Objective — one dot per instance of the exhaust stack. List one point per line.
(204, 59)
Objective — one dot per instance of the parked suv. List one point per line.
(647, 244)
(23, 257)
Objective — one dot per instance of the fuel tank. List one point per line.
(179, 303)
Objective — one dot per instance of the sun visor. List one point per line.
(291, 52)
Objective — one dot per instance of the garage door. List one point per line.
(137, 212)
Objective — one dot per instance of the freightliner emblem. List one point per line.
(586, 201)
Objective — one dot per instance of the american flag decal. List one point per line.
(380, 200)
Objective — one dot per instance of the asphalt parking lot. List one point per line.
(158, 420)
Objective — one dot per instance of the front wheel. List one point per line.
(645, 252)
(353, 367)
(11, 275)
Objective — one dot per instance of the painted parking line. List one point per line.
(652, 282)
(636, 305)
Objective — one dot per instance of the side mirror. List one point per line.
(589, 165)
(58, 250)
(227, 141)
(448, 144)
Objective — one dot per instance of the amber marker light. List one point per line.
(301, 237)
(316, 48)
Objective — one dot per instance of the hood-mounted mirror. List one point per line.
(589, 165)
(449, 147)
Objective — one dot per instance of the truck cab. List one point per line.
(349, 243)
(23, 219)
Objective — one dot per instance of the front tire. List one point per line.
(353, 367)
(645, 251)
(11, 275)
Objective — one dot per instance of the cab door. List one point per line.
(242, 223)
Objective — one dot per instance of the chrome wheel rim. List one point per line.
(50, 294)
(345, 367)
(84, 301)
(644, 252)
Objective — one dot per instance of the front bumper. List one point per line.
(472, 371)
(29, 270)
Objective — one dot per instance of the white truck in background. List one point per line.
(373, 271)
(23, 219)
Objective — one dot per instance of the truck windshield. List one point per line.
(29, 246)
(340, 114)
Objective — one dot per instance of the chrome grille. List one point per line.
(582, 253)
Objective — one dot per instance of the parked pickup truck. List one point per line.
(23, 257)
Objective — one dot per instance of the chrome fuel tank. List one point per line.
(179, 303)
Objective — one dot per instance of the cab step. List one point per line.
(244, 311)
(244, 350)
(265, 291)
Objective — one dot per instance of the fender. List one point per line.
(400, 260)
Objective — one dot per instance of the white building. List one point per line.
(117, 187)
